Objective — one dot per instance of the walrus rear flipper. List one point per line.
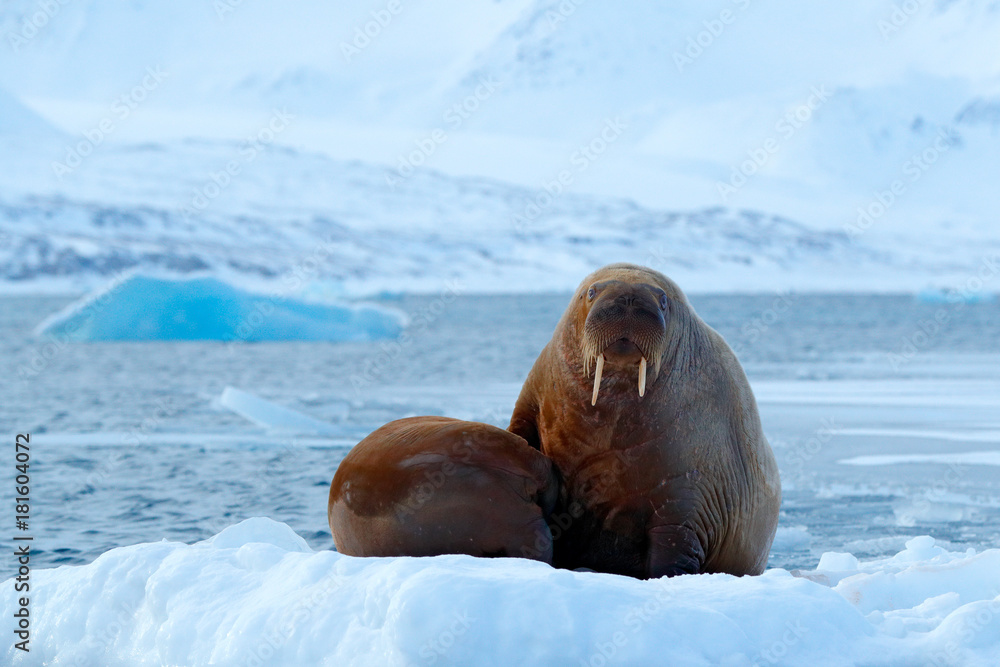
(673, 550)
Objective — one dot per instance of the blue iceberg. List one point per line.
(953, 296)
(142, 307)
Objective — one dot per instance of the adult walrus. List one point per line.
(425, 486)
(649, 418)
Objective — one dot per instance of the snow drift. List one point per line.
(142, 307)
(257, 594)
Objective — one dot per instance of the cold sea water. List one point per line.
(883, 412)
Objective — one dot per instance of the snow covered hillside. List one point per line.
(292, 216)
(282, 215)
(736, 146)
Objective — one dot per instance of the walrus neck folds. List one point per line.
(685, 340)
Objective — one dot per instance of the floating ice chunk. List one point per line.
(142, 307)
(953, 296)
(920, 548)
(984, 458)
(791, 538)
(903, 582)
(833, 561)
(273, 416)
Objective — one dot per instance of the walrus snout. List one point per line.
(627, 325)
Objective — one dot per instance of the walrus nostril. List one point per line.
(625, 300)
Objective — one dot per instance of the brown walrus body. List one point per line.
(650, 420)
(426, 486)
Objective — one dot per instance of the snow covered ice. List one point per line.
(141, 307)
(256, 594)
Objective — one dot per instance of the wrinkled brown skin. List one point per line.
(679, 481)
(426, 486)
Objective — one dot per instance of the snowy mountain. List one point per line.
(338, 225)
(420, 137)
(18, 122)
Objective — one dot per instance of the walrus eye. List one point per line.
(591, 293)
(663, 302)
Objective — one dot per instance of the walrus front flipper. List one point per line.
(524, 421)
(673, 550)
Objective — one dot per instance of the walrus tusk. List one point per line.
(597, 379)
(642, 377)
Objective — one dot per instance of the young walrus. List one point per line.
(426, 486)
